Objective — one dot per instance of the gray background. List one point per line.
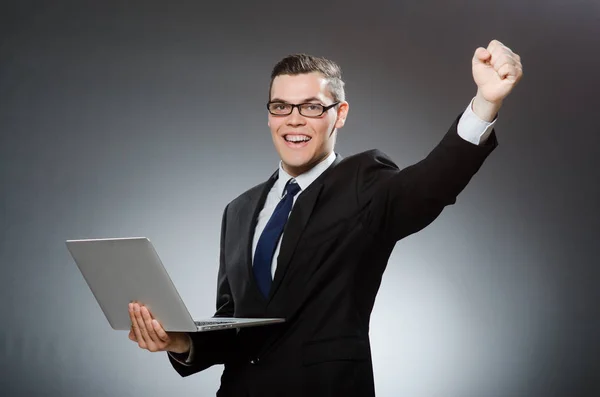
(146, 118)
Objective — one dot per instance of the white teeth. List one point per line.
(297, 138)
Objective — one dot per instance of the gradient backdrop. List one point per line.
(146, 118)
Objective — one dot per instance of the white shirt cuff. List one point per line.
(472, 129)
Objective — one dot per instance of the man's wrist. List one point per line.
(183, 346)
(485, 110)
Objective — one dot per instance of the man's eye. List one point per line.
(312, 106)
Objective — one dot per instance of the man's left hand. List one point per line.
(496, 71)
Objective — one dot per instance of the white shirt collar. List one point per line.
(303, 180)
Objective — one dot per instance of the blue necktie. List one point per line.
(263, 256)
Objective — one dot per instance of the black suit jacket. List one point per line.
(335, 248)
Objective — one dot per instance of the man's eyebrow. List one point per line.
(311, 99)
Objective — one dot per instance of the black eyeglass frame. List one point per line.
(325, 108)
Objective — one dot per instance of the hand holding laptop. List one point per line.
(150, 335)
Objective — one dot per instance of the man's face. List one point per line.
(313, 138)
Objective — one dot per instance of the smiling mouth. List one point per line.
(296, 139)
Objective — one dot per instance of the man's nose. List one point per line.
(295, 118)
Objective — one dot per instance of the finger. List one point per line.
(147, 317)
(507, 50)
(497, 50)
(519, 72)
(138, 327)
(501, 59)
(132, 335)
(519, 64)
(481, 55)
(160, 331)
(134, 324)
(141, 325)
(494, 44)
(501, 54)
(508, 71)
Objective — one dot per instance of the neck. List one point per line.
(296, 171)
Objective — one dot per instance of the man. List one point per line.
(321, 268)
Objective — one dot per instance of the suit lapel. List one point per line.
(296, 223)
(249, 218)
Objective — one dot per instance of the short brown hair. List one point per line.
(303, 63)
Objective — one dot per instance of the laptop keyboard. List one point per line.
(215, 322)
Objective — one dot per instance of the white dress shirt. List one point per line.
(470, 128)
(276, 194)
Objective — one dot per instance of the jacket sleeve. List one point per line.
(212, 347)
(402, 202)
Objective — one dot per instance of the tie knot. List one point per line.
(292, 188)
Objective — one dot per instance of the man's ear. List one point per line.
(342, 114)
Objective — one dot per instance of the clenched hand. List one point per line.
(496, 71)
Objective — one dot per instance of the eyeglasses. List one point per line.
(305, 109)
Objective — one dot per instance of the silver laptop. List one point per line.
(123, 270)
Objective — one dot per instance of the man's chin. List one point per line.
(296, 167)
